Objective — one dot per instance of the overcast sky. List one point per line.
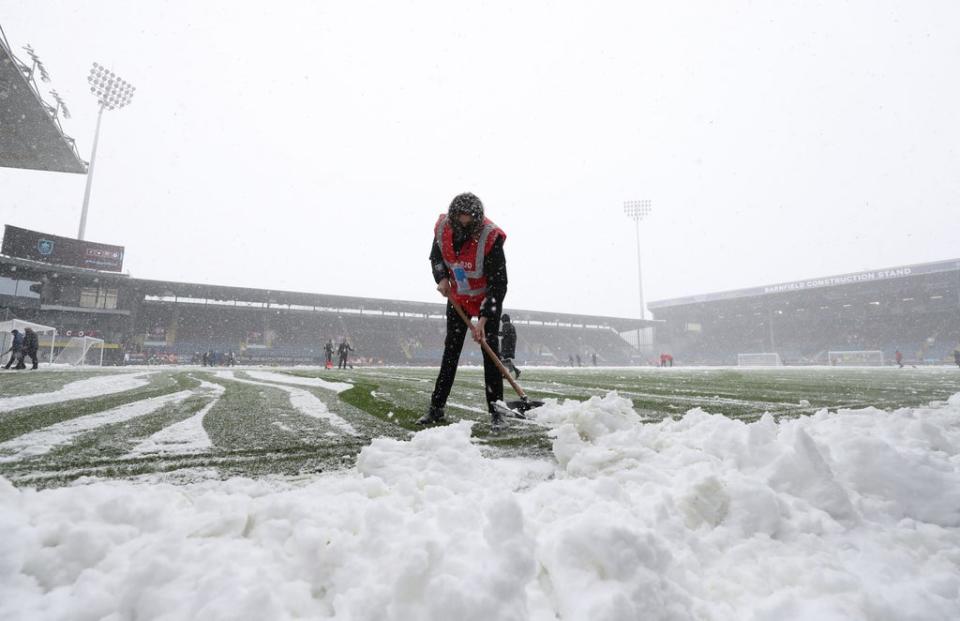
(309, 146)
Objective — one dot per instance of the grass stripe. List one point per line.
(19, 422)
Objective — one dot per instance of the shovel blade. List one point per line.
(522, 406)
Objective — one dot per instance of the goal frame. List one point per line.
(89, 342)
(848, 358)
(773, 361)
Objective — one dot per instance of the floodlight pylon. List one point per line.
(112, 93)
(638, 210)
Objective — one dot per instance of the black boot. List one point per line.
(433, 417)
(496, 418)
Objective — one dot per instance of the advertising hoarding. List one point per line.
(46, 248)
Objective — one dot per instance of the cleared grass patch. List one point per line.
(19, 422)
(28, 382)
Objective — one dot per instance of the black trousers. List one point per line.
(14, 358)
(452, 346)
(343, 361)
(32, 354)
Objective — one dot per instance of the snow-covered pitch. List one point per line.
(848, 513)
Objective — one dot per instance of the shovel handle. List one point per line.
(489, 352)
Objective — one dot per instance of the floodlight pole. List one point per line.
(643, 312)
(112, 93)
(86, 191)
(638, 210)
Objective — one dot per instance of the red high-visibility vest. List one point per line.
(468, 283)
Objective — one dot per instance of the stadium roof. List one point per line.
(25, 268)
(30, 134)
(218, 294)
(167, 289)
(905, 271)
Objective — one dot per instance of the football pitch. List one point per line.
(190, 423)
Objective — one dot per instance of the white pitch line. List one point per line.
(302, 400)
(283, 378)
(44, 440)
(187, 436)
(81, 389)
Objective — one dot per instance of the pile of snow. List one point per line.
(849, 515)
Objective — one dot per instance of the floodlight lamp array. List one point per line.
(637, 210)
(110, 90)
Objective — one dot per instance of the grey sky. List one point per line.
(310, 146)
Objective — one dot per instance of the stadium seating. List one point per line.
(298, 337)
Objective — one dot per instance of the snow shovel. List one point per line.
(524, 404)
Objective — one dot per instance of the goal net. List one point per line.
(80, 351)
(759, 360)
(867, 358)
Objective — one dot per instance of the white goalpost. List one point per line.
(81, 351)
(860, 358)
(759, 360)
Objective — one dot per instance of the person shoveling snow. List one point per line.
(470, 270)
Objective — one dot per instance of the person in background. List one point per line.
(31, 343)
(469, 267)
(508, 344)
(343, 350)
(899, 358)
(328, 354)
(16, 350)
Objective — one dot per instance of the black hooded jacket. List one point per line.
(31, 343)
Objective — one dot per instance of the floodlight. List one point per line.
(637, 210)
(112, 93)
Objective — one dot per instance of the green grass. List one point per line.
(254, 417)
(19, 422)
(256, 431)
(361, 396)
(117, 439)
(28, 382)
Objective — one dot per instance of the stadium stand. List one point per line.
(164, 321)
(914, 309)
